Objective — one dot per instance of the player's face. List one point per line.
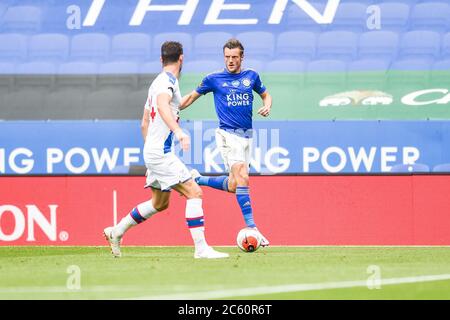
(233, 60)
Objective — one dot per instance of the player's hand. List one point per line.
(184, 139)
(264, 111)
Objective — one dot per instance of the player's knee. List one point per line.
(243, 179)
(161, 206)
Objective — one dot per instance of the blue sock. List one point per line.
(219, 183)
(243, 198)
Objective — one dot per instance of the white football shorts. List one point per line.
(165, 172)
(233, 148)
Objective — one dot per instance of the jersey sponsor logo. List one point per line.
(238, 100)
(225, 85)
(236, 83)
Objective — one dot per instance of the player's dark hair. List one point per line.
(233, 44)
(171, 52)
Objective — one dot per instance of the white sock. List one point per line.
(195, 221)
(138, 215)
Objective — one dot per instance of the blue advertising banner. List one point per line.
(105, 147)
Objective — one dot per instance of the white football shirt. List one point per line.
(159, 137)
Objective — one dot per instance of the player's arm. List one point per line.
(189, 99)
(267, 104)
(144, 123)
(163, 103)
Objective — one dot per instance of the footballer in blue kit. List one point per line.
(233, 89)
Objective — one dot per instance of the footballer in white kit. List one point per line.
(164, 170)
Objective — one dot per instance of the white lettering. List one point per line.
(310, 155)
(362, 156)
(36, 217)
(210, 164)
(410, 155)
(19, 219)
(410, 99)
(131, 155)
(84, 164)
(93, 13)
(217, 6)
(54, 156)
(105, 157)
(326, 18)
(26, 164)
(388, 156)
(282, 164)
(145, 5)
(342, 159)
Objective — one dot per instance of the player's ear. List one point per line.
(181, 58)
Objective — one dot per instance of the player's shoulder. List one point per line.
(250, 71)
(165, 77)
(216, 73)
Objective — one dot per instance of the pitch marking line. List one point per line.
(206, 295)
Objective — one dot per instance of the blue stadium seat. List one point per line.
(444, 167)
(118, 74)
(369, 65)
(202, 66)
(7, 68)
(258, 45)
(286, 65)
(418, 80)
(341, 45)
(118, 67)
(296, 45)
(78, 67)
(297, 19)
(420, 44)
(368, 74)
(37, 68)
(90, 46)
(13, 47)
(77, 75)
(53, 47)
(379, 45)
(208, 45)
(441, 72)
(22, 19)
(255, 64)
(405, 168)
(184, 38)
(395, 16)
(336, 73)
(351, 17)
(53, 17)
(431, 16)
(446, 46)
(151, 67)
(412, 65)
(131, 46)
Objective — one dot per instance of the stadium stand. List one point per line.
(299, 45)
(34, 39)
(445, 167)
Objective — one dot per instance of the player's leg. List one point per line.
(217, 182)
(240, 173)
(195, 219)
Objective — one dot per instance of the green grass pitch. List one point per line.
(173, 273)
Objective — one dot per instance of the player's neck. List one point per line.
(173, 69)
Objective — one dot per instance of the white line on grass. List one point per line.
(245, 292)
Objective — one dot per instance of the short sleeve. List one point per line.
(205, 86)
(258, 86)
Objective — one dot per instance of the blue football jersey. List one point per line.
(233, 96)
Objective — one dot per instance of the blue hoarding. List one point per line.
(91, 147)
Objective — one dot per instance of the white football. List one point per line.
(248, 240)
